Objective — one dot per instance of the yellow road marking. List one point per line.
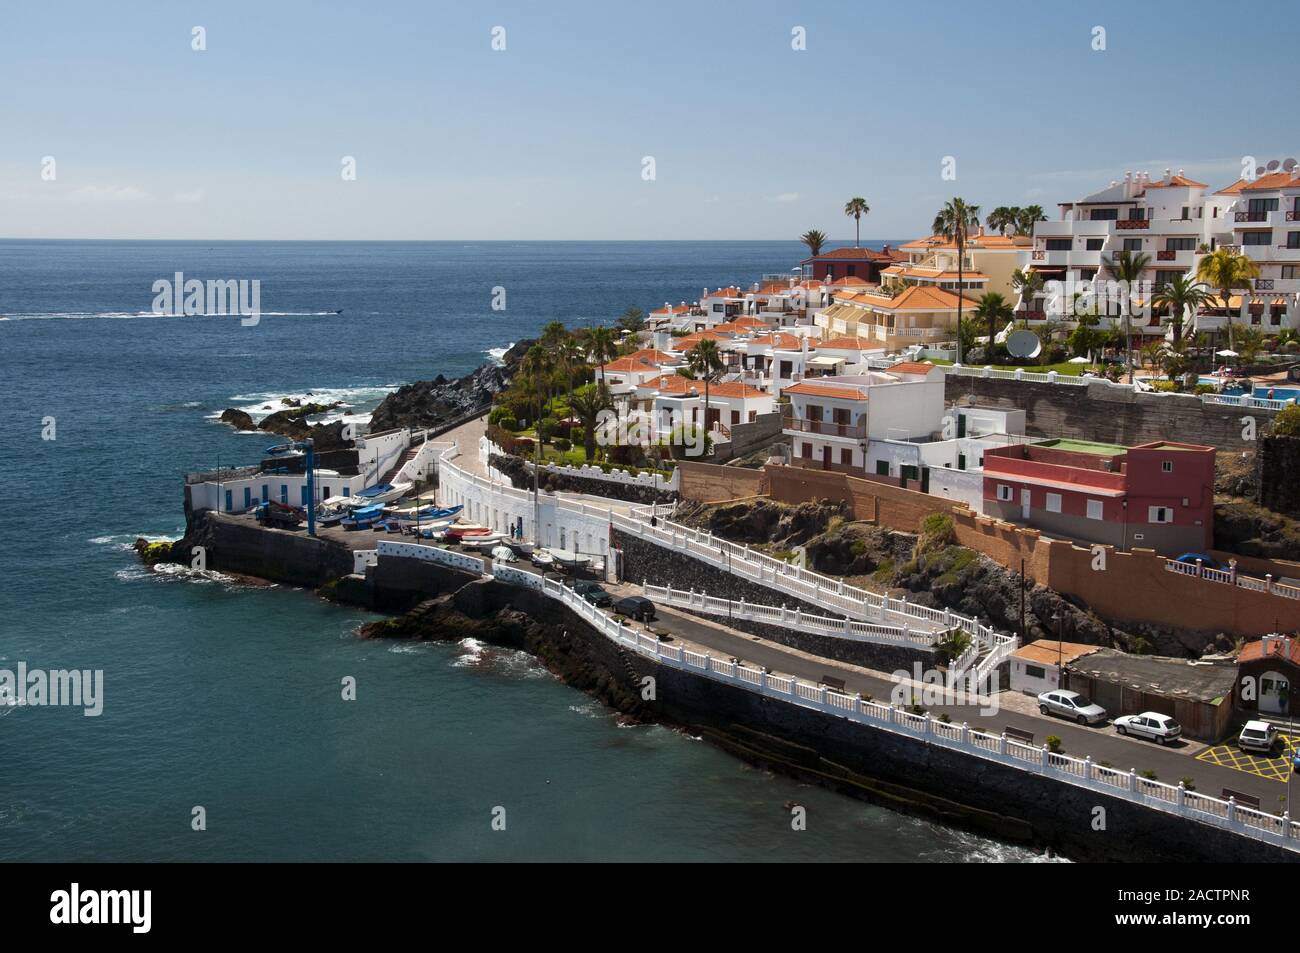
(1275, 769)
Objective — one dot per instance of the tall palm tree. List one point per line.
(855, 208)
(954, 222)
(1002, 217)
(814, 239)
(1028, 283)
(705, 360)
(1026, 218)
(569, 355)
(1183, 297)
(587, 403)
(552, 334)
(633, 319)
(602, 347)
(1127, 267)
(993, 308)
(1224, 270)
(537, 369)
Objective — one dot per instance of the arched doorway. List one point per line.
(1274, 693)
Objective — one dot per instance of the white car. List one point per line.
(1257, 736)
(1071, 705)
(1149, 724)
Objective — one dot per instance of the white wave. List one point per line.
(262, 405)
(497, 353)
(126, 541)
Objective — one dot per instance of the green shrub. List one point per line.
(937, 530)
(1054, 744)
(547, 427)
(562, 444)
(1287, 422)
(1188, 782)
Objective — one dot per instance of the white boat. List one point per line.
(385, 492)
(504, 554)
(542, 559)
(484, 543)
(569, 559)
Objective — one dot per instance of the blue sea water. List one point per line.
(228, 697)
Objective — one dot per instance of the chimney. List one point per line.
(1168, 173)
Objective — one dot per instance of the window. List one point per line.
(1291, 271)
(1053, 502)
(1132, 244)
(846, 456)
(1103, 214)
(1094, 244)
(882, 468)
(717, 309)
(1186, 213)
(1059, 244)
(1095, 510)
(1261, 207)
(1180, 244)
(1005, 493)
(1293, 239)
(1257, 238)
(1035, 671)
(1166, 466)
(1160, 514)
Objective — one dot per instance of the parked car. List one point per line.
(1149, 724)
(1207, 562)
(1257, 736)
(636, 607)
(592, 592)
(1071, 705)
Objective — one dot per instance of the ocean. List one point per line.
(226, 697)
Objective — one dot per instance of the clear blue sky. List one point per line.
(752, 140)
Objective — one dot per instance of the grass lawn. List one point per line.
(1064, 368)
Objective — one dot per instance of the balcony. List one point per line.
(1250, 217)
(824, 428)
(1128, 224)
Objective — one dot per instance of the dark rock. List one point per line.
(439, 401)
(237, 419)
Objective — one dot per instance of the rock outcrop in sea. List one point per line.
(440, 401)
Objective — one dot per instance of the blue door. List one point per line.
(266, 495)
(284, 493)
(304, 494)
(248, 497)
(347, 491)
(229, 505)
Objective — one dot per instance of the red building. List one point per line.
(1154, 496)
(864, 263)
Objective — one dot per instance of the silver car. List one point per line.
(1071, 705)
(1149, 724)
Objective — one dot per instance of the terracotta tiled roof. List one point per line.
(1277, 648)
(732, 292)
(1176, 181)
(1049, 652)
(922, 298)
(814, 388)
(784, 342)
(934, 274)
(844, 344)
(643, 360)
(676, 309)
(986, 241)
(734, 389)
(1274, 180)
(1234, 188)
(853, 254)
(911, 367)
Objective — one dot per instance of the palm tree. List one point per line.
(1028, 283)
(954, 222)
(993, 308)
(1027, 217)
(1001, 217)
(814, 240)
(1181, 296)
(587, 403)
(705, 360)
(569, 355)
(1250, 341)
(553, 334)
(1225, 270)
(602, 347)
(1127, 268)
(855, 208)
(633, 319)
(537, 368)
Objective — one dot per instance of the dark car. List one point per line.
(636, 607)
(592, 592)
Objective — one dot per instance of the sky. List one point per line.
(547, 138)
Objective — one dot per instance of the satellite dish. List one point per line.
(1273, 164)
(1260, 170)
(1288, 164)
(1024, 343)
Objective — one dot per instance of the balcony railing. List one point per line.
(1130, 223)
(1166, 254)
(1253, 216)
(1293, 215)
(1263, 284)
(825, 428)
(1040, 254)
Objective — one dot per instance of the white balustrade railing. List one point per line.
(1232, 578)
(853, 630)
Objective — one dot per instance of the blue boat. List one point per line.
(428, 513)
(362, 517)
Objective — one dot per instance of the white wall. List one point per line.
(963, 486)
(212, 496)
(1021, 681)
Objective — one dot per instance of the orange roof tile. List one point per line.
(1274, 180)
(1176, 182)
(1277, 648)
(735, 389)
(815, 389)
(1234, 188)
(985, 242)
(844, 344)
(911, 367)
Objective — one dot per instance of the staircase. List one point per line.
(406, 458)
